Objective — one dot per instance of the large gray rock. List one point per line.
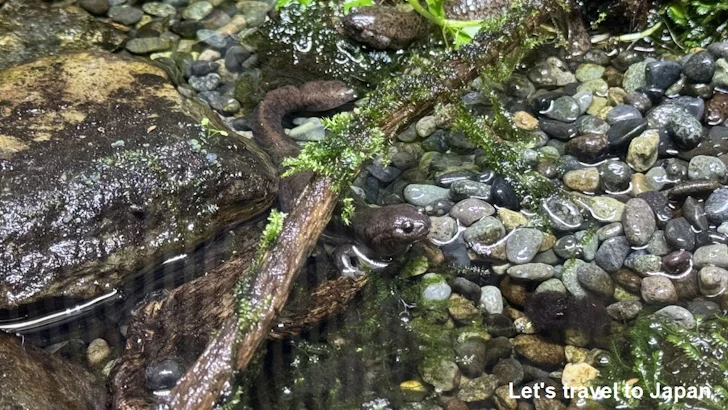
(31, 29)
(107, 169)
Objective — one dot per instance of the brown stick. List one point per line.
(237, 341)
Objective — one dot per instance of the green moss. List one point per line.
(489, 134)
(653, 351)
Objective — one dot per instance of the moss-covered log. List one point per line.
(394, 105)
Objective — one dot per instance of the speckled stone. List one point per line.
(626, 310)
(531, 271)
(638, 221)
(677, 315)
(612, 253)
(658, 290)
(584, 180)
(523, 244)
(563, 214)
(486, 231)
(642, 152)
(595, 279)
(716, 255)
(470, 210)
(706, 167)
(716, 206)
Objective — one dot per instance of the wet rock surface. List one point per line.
(116, 172)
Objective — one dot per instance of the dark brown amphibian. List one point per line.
(383, 27)
(268, 131)
(386, 230)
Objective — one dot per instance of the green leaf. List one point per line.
(356, 3)
(677, 14)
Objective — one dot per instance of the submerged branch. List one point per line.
(395, 104)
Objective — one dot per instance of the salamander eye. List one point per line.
(408, 226)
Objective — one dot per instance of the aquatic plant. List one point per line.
(653, 354)
(697, 23)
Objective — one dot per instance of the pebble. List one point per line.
(584, 180)
(622, 112)
(611, 230)
(552, 72)
(679, 234)
(464, 189)
(589, 124)
(615, 176)
(98, 351)
(557, 129)
(685, 130)
(716, 110)
(512, 219)
(639, 101)
(635, 77)
(588, 148)
(523, 244)
(623, 132)
(625, 310)
(486, 231)
(212, 38)
(662, 74)
(148, 44)
(164, 374)
(95, 7)
(716, 255)
(706, 167)
(443, 228)
(677, 315)
(712, 281)
(563, 214)
(638, 221)
(642, 263)
(695, 213)
(519, 86)
(539, 350)
(531, 271)
(642, 152)
(677, 262)
(658, 290)
(586, 72)
(466, 288)
(596, 87)
(158, 9)
(436, 292)
(422, 195)
(426, 126)
(700, 67)
(564, 109)
(491, 300)
(126, 15)
(503, 195)
(612, 253)
(439, 207)
(197, 11)
(470, 210)
(443, 375)
(716, 206)
(596, 280)
(477, 390)
(207, 82)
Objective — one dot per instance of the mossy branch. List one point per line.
(394, 105)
